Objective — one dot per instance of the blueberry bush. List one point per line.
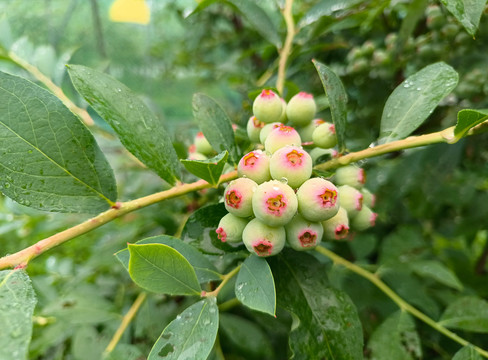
(289, 179)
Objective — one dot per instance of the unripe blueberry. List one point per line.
(193, 154)
(280, 137)
(255, 166)
(324, 136)
(318, 199)
(263, 240)
(266, 130)
(307, 131)
(369, 199)
(202, 145)
(317, 153)
(337, 227)
(351, 199)
(253, 128)
(301, 109)
(364, 219)
(274, 203)
(302, 234)
(350, 175)
(238, 197)
(292, 163)
(267, 107)
(230, 228)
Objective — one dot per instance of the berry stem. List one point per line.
(125, 322)
(446, 135)
(285, 51)
(23, 257)
(225, 280)
(402, 304)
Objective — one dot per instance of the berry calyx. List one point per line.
(274, 203)
(318, 199)
(255, 166)
(292, 163)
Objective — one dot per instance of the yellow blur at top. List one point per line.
(131, 11)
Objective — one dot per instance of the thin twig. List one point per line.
(285, 51)
(225, 280)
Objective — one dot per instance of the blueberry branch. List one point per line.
(225, 280)
(286, 49)
(402, 304)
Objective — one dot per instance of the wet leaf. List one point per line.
(437, 271)
(466, 119)
(255, 286)
(48, 159)
(467, 12)
(469, 313)
(208, 170)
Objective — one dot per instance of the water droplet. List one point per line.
(284, 180)
(119, 90)
(418, 89)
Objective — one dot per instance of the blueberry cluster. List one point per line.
(276, 201)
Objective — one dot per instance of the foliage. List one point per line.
(392, 76)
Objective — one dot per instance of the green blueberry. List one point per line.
(280, 137)
(267, 129)
(301, 109)
(274, 203)
(254, 127)
(364, 219)
(262, 239)
(292, 163)
(337, 227)
(324, 136)
(351, 199)
(255, 166)
(230, 228)
(318, 199)
(202, 145)
(267, 107)
(302, 234)
(350, 175)
(238, 197)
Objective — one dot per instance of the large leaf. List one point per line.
(17, 302)
(162, 269)
(215, 125)
(326, 8)
(191, 335)
(467, 12)
(199, 230)
(337, 100)
(467, 353)
(140, 131)
(48, 159)
(328, 324)
(208, 170)
(466, 119)
(253, 13)
(396, 338)
(415, 99)
(255, 286)
(204, 269)
(469, 313)
(436, 270)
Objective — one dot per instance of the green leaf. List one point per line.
(327, 323)
(396, 338)
(161, 269)
(48, 159)
(245, 336)
(208, 170)
(337, 100)
(255, 286)
(215, 125)
(17, 303)
(199, 230)
(466, 119)
(191, 335)
(415, 99)
(467, 12)
(469, 313)
(414, 12)
(325, 8)
(253, 13)
(204, 269)
(436, 270)
(140, 131)
(467, 353)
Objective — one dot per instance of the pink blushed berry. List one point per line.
(302, 234)
(202, 145)
(280, 137)
(337, 227)
(267, 129)
(255, 166)
(351, 199)
(364, 219)
(350, 175)
(324, 136)
(307, 131)
(369, 199)
(318, 199)
(292, 163)
(230, 228)
(301, 109)
(274, 203)
(267, 107)
(254, 127)
(262, 239)
(238, 197)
